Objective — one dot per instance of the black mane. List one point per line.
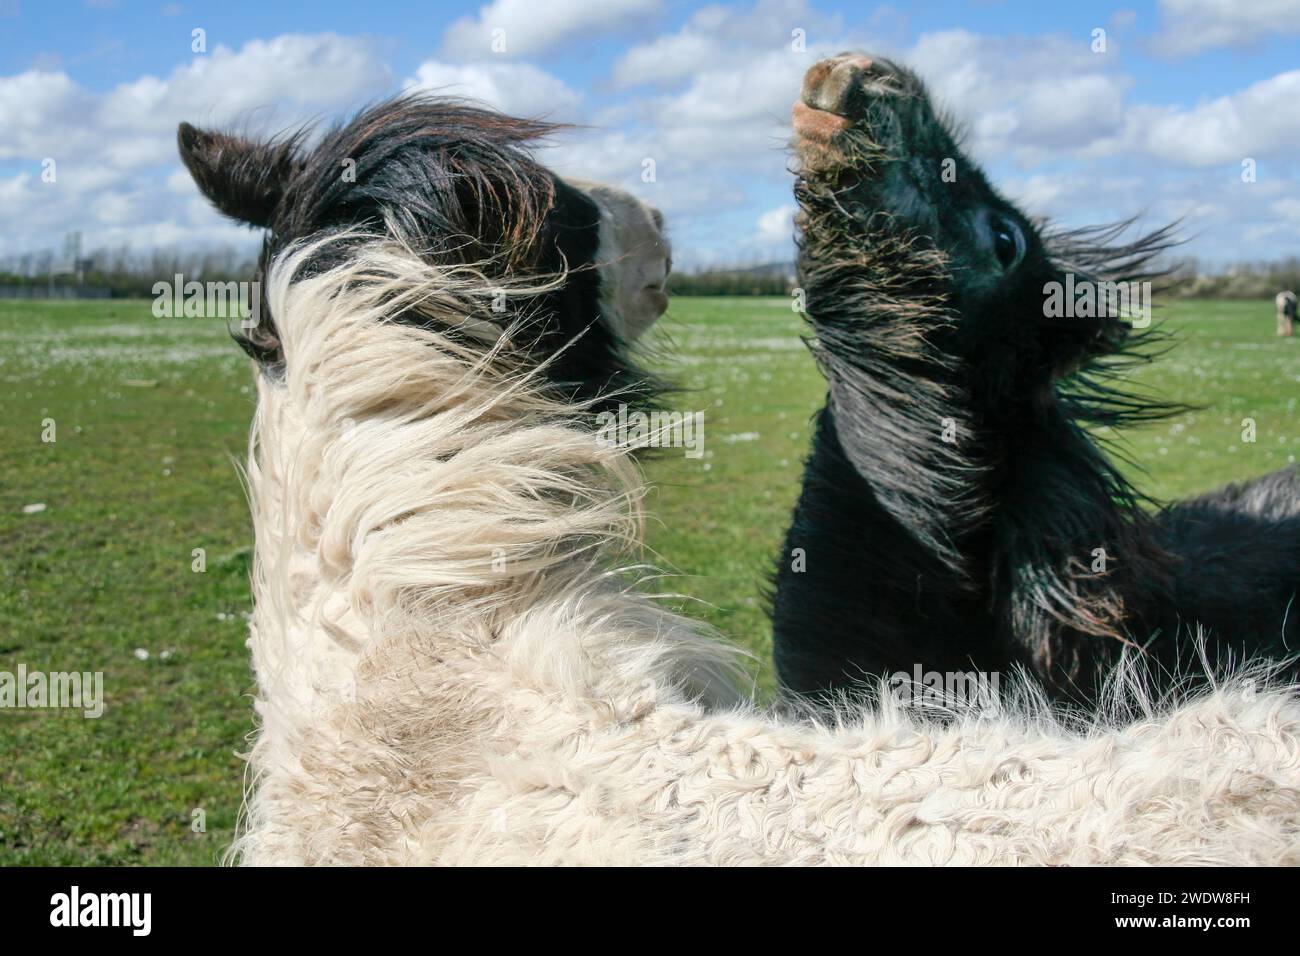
(458, 185)
(957, 510)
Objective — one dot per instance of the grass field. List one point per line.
(150, 416)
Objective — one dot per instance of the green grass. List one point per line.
(150, 416)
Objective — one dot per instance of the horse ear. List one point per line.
(243, 178)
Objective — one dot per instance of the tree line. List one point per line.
(132, 274)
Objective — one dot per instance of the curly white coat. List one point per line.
(449, 671)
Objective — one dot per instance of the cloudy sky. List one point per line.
(1158, 124)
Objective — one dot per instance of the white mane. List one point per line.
(450, 671)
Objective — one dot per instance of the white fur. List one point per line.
(449, 672)
(1285, 302)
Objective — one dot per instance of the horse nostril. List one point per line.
(815, 124)
(831, 84)
(813, 79)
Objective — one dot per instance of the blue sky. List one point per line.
(1156, 124)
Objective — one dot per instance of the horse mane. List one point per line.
(455, 663)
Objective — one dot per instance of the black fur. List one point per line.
(457, 183)
(978, 553)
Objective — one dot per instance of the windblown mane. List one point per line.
(957, 495)
(1073, 620)
(880, 323)
(880, 309)
(452, 669)
(459, 187)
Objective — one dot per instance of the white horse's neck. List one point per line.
(448, 673)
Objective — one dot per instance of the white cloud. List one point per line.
(720, 39)
(1081, 196)
(716, 123)
(1057, 125)
(726, 82)
(273, 82)
(118, 174)
(519, 89)
(1066, 111)
(13, 189)
(298, 74)
(1287, 209)
(1261, 120)
(531, 27)
(667, 59)
(718, 145)
(1191, 26)
(776, 227)
(1222, 218)
(1053, 95)
(39, 111)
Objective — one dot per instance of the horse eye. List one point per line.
(1008, 241)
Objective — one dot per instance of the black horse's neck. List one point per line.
(860, 593)
(1043, 577)
(1072, 565)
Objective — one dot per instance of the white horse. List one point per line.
(452, 670)
(1286, 305)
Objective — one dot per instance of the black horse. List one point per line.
(956, 511)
